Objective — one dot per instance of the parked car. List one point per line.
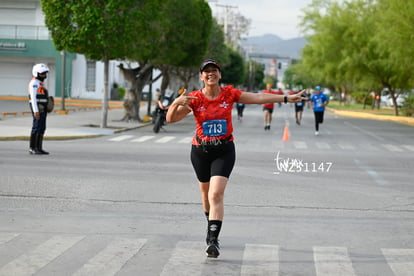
(386, 100)
(399, 99)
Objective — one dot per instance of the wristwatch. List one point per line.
(285, 99)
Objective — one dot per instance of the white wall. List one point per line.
(79, 78)
(18, 12)
(16, 72)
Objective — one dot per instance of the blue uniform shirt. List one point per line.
(318, 101)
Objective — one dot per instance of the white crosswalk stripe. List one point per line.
(369, 147)
(110, 260)
(322, 145)
(300, 145)
(260, 259)
(121, 138)
(392, 148)
(332, 261)
(401, 261)
(346, 146)
(5, 237)
(143, 139)
(165, 139)
(186, 140)
(28, 264)
(408, 147)
(186, 258)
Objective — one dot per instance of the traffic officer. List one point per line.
(38, 100)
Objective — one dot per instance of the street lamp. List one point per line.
(63, 72)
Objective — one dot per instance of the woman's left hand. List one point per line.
(296, 97)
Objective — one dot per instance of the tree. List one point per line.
(346, 49)
(321, 56)
(217, 48)
(234, 72)
(102, 30)
(395, 31)
(186, 26)
(254, 75)
(395, 34)
(293, 78)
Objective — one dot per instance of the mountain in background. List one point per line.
(272, 44)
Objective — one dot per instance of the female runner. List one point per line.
(212, 152)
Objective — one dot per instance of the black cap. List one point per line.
(209, 62)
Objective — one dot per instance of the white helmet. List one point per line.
(39, 68)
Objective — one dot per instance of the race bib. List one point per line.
(318, 103)
(214, 128)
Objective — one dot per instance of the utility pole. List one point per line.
(63, 78)
(226, 19)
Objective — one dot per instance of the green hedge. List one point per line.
(408, 107)
(359, 97)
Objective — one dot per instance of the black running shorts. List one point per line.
(270, 110)
(213, 160)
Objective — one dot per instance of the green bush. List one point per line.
(121, 92)
(359, 97)
(408, 107)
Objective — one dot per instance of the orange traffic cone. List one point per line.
(285, 134)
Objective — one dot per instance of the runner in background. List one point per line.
(280, 92)
(299, 110)
(319, 102)
(240, 109)
(268, 108)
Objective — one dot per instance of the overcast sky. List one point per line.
(278, 17)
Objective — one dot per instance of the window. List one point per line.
(90, 75)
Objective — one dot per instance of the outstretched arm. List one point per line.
(263, 98)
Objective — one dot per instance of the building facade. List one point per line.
(25, 41)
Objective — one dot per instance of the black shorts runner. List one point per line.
(270, 110)
(211, 161)
(298, 108)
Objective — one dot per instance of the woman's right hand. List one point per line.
(179, 108)
(184, 100)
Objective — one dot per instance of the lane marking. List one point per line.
(332, 261)
(187, 259)
(260, 259)
(373, 135)
(392, 148)
(322, 145)
(346, 146)
(165, 139)
(30, 263)
(143, 139)
(121, 138)
(186, 140)
(401, 261)
(409, 147)
(300, 145)
(111, 259)
(374, 174)
(5, 237)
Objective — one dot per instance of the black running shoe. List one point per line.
(212, 250)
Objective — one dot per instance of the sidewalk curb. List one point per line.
(402, 120)
(70, 137)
